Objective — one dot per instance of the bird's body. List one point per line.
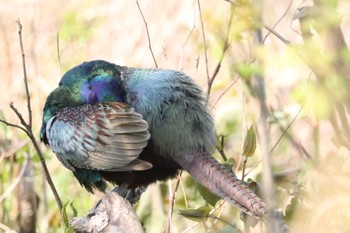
(134, 126)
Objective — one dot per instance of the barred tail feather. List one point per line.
(222, 182)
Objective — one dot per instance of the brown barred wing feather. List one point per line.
(106, 137)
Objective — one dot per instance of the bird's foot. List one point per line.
(133, 195)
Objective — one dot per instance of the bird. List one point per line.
(134, 126)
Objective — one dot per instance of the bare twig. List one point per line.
(226, 46)
(13, 149)
(12, 125)
(25, 73)
(167, 227)
(58, 51)
(286, 129)
(278, 21)
(271, 30)
(27, 127)
(148, 36)
(204, 41)
(16, 180)
(187, 39)
(223, 220)
(223, 93)
(218, 206)
(298, 146)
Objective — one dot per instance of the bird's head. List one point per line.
(58, 99)
(88, 83)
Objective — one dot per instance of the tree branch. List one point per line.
(27, 127)
(112, 214)
(148, 36)
(24, 72)
(204, 41)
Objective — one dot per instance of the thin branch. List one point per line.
(278, 21)
(27, 127)
(253, 167)
(13, 125)
(13, 149)
(187, 39)
(217, 206)
(286, 129)
(148, 36)
(184, 45)
(58, 50)
(271, 30)
(204, 41)
(224, 221)
(221, 208)
(226, 46)
(184, 192)
(167, 227)
(223, 93)
(16, 180)
(25, 72)
(19, 115)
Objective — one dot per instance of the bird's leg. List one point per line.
(133, 195)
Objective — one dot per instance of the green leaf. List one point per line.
(197, 215)
(229, 163)
(209, 197)
(246, 71)
(64, 214)
(249, 142)
(75, 212)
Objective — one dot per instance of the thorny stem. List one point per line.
(27, 127)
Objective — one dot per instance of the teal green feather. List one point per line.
(90, 179)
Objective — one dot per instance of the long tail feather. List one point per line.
(220, 181)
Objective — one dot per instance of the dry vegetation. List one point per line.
(305, 79)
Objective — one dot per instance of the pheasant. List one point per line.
(134, 126)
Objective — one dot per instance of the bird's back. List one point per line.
(178, 119)
(174, 107)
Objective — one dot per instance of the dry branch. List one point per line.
(113, 214)
(148, 36)
(27, 127)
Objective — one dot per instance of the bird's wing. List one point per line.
(107, 136)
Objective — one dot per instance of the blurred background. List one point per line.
(302, 57)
